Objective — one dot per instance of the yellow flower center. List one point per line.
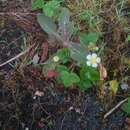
(93, 60)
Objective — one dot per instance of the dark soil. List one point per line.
(56, 109)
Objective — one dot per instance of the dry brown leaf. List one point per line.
(128, 123)
(44, 51)
(103, 72)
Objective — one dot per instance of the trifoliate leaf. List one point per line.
(89, 73)
(69, 79)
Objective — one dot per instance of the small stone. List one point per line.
(35, 59)
(26, 128)
(124, 86)
(39, 93)
(71, 108)
(34, 97)
(77, 110)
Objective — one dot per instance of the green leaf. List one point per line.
(69, 79)
(50, 7)
(89, 38)
(61, 68)
(85, 84)
(126, 106)
(63, 54)
(128, 38)
(85, 15)
(89, 73)
(64, 18)
(37, 4)
(66, 27)
(47, 24)
(72, 28)
(114, 86)
(78, 52)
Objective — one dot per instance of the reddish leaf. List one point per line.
(44, 51)
(31, 52)
(51, 74)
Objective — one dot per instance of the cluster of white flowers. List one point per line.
(93, 60)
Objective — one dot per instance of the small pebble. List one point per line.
(39, 93)
(35, 59)
(26, 128)
(77, 110)
(124, 86)
(71, 108)
(34, 97)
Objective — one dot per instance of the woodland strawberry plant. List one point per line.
(76, 64)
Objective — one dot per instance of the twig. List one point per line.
(16, 57)
(113, 109)
(22, 36)
(62, 122)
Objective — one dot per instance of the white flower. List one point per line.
(56, 58)
(93, 60)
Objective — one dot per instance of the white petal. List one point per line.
(88, 63)
(94, 65)
(94, 55)
(88, 57)
(98, 60)
(97, 48)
